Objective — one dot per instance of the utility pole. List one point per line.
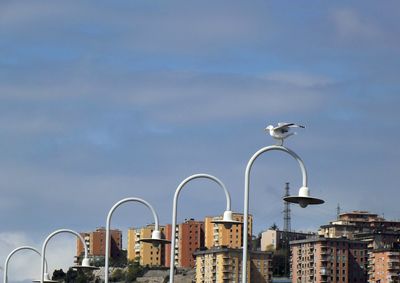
(286, 229)
(337, 212)
(286, 212)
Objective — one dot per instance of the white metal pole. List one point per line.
(174, 213)
(11, 254)
(246, 196)
(108, 223)
(48, 239)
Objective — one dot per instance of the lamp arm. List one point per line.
(5, 277)
(48, 239)
(246, 195)
(174, 213)
(108, 224)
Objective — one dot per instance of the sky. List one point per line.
(102, 100)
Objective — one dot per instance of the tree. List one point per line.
(134, 270)
(274, 227)
(80, 276)
(117, 275)
(58, 274)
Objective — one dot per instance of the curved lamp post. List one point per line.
(85, 261)
(303, 199)
(227, 219)
(155, 236)
(12, 253)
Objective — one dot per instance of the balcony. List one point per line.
(324, 272)
(394, 254)
(325, 258)
(393, 266)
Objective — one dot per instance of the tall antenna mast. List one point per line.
(286, 211)
(337, 212)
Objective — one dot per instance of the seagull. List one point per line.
(282, 131)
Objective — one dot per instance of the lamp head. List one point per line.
(155, 239)
(85, 262)
(227, 220)
(303, 199)
(85, 265)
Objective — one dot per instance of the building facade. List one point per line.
(189, 238)
(357, 222)
(384, 265)
(96, 243)
(335, 260)
(217, 235)
(272, 239)
(224, 265)
(145, 253)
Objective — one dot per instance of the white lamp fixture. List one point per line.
(303, 199)
(156, 239)
(227, 219)
(5, 279)
(85, 265)
(156, 234)
(44, 277)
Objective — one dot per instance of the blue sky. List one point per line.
(101, 101)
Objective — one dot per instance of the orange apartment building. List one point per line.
(384, 265)
(217, 235)
(224, 265)
(145, 253)
(334, 260)
(96, 243)
(189, 238)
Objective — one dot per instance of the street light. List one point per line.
(85, 261)
(155, 235)
(303, 199)
(12, 253)
(227, 218)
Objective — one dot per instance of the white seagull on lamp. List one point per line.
(282, 131)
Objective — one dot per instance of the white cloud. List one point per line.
(299, 79)
(350, 24)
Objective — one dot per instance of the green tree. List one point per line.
(80, 276)
(134, 270)
(274, 227)
(58, 274)
(117, 275)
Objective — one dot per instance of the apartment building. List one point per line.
(223, 265)
(146, 253)
(189, 238)
(335, 260)
(357, 222)
(96, 243)
(227, 236)
(384, 265)
(274, 239)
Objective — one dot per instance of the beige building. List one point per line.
(224, 265)
(220, 235)
(145, 253)
(335, 260)
(276, 239)
(384, 266)
(356, 222)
